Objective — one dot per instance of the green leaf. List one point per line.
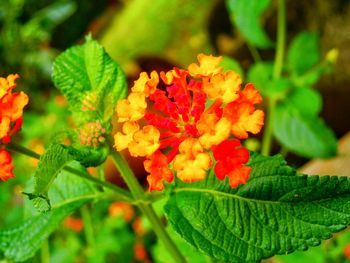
(68, 193)
(86, 74)
(260, 74)
(303, 53)
(51, 164)
(304, 134)
(231, 64)
(312, 76)
(45, 20)
(276, 212)
(246, 16)
(308, 101)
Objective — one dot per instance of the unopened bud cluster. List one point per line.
(92, 134)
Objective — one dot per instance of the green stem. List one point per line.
(284, 151)
(281, 39)
(121, 193)
(88, 228)
(255, 53)
(277, 72)
(45, 252)
(146, 208)
(268, 131)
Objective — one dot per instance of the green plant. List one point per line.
(228, 204)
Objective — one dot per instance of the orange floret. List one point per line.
(192, 163)
(133, 108)
(244, 119)
(11, 111)
(224, 87)
(213, 130)
(231, 157)
(157, 166)
(6, 166)
(145, 141)
(122, 141)
(145, 84)
(208, 66)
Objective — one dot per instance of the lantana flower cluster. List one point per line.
(11, 111)
(176, 119)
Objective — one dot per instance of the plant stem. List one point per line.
(147, 209)
(255, 53)
(267, 138)
(121, 193)
(277, 72)
(88, 228)
(45, 252)
(281, 39)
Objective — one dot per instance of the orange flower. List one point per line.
(140, 252)
(175, 128)
(121, 209)
(207, 66)
(157, 165)
(346, 251)
(6, 166)
(11, 111)
(192, 163)
(75, 224)
(230, 157)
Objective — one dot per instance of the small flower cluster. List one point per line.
(11, 111)
(201, 109)
(92, 134)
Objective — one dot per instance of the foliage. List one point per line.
(276, 212)
(22, 46)
(68, 193)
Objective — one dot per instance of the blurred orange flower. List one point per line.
(11, 111)
(6, 166)
(175, 129)
(75, 224)
(121, 209)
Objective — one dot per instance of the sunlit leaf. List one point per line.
(303, 52)
(276, 212)
(304, 134)
(307, 100)
(260, 74)
(51, 164)
(247, 15)
(86, 75)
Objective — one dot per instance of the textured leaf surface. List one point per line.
(51, 163)
(246, 16)
(87, 74)
(68, 193)
(303, 52)
(276, 212)
(302, 133)
(55, 158)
